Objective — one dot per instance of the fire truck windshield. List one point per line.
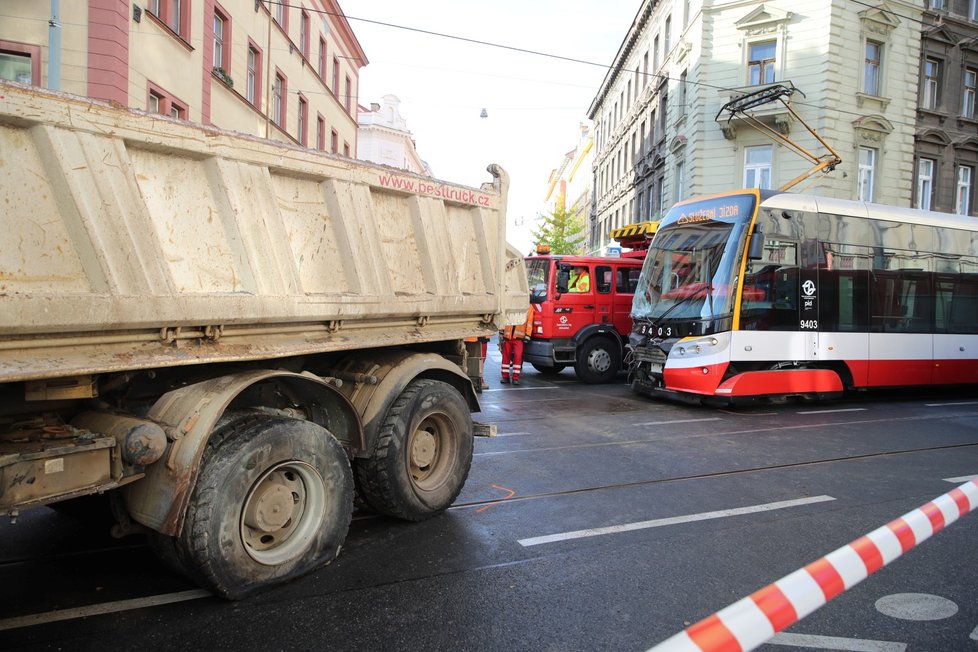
(690, 272)
(538, 275)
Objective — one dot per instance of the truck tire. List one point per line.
(273, 501)
(422, 455)
(598, 361)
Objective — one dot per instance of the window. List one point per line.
(937, 5)
(279, 90)
(334, 141)
(968, 92)
(932, 83)
(757, 167)
(347, 94)
(282, 13)
(925, 182)
(336, 76)
(320, 133)
(20, 63)
(667, 37)
(302, 127)
(222, 41)
(175, 14)
(160, 101)
(322, 59)
(655, 53)
(254, 76)
(346, 149)
(683, 93)
(760, 64)
(871, 68)
(867, 173)
(972, 9)
(304, 34)
(680, 181)
(962, 200)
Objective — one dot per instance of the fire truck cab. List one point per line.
(577, 323)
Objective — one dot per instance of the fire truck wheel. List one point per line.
(273, 501)
(422, 455)
(598, 361)
(549, 371)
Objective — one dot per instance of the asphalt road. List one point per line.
(595, 520)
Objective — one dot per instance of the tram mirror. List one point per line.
(755, 249)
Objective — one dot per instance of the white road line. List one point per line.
(512, 434)
(961, 479)
(835, 643)
(974, 635)
(674, 520)
(665, 423)
(101, 609)
(510, 389)
(950, 404)
(831, 411)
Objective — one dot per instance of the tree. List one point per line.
(563, 230)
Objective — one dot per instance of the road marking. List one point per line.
(961, 479)
(835, 643)
(665, 423)
(974, 635)
(101, 609)
(673, 520)
(916, 606)
(950, 404)
(511, 492)
(831, 411)
(512, 434)
(511, 388)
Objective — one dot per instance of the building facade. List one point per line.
(285, 70)
(946, 141)
(658, 138)
(384, 137)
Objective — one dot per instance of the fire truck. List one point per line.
(585, 326)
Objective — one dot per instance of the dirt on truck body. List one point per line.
(228, 336)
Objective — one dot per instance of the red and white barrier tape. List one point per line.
(749, 622)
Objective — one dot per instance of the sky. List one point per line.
(534, 104)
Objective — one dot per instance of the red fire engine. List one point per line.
(585, 325)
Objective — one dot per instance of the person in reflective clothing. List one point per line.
(511, 339)
(580, 281)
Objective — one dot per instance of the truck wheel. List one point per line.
(422, 455)
(549, 371)
(273, 501)
(598, 361)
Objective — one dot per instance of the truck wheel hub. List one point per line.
(270, 507)
(423, 449)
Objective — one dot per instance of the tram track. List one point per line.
(714, 474)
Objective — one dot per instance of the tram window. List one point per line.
(902, 303)
(957, 304)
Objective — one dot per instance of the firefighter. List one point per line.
(579, 280)
(511, 339)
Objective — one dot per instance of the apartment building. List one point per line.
(946, 140)
(286, 70)
(384, 137)
(657, 135)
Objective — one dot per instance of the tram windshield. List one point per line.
(691, 269)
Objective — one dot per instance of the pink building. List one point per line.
(286, 70)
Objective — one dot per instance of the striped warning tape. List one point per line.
(749, 622)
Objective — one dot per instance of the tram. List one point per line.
(755, 293)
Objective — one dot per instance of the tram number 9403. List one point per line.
(809, 324)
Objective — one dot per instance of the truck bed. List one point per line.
(132, 240)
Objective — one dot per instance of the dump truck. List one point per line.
(232, 340)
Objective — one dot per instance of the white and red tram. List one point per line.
(757, 293)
